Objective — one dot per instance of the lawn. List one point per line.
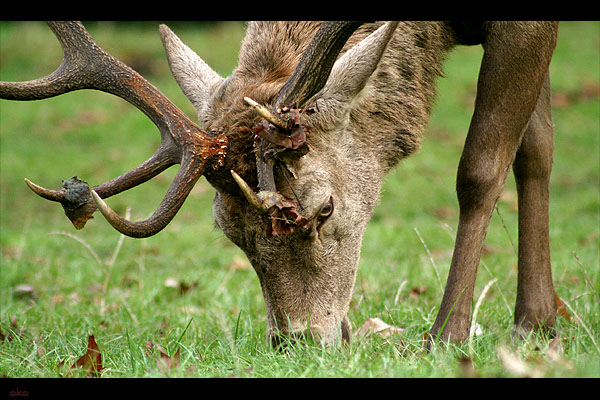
(186, 303)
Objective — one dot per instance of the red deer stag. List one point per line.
(297, 141)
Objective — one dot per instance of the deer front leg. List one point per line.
(482, 172)
(512, 72)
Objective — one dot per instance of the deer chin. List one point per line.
(309, 309)
(305, 319)
(327, 335)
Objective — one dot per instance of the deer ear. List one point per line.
(195, 77)
(350, 75)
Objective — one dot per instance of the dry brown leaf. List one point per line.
(285, 217)
(74, 298)
(588, 91)
(91, 361)
(15, 332)
(24, 292)
(537, 364)
(164, 362)
(376, 325)
(415, 292)
(515, 366)
(181, 286)
(149, 346)
(562, 310)
(444, 213)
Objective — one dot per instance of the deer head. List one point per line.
(295, 182)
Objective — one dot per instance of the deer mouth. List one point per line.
(282, 340)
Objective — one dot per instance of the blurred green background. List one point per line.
(76, 289)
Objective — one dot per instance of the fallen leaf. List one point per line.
(181, 286)
(74, 298)
(415, 292)
(285, 217)
(149, 346)
(588, 91)
(24, 292)
(444, 213)
(562, 310)
(40, 350)
(517, 367)
(57, 299)
(560, 99)
(91, 361)
(376, 325)
(164, 362)
(13, 333)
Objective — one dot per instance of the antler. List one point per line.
(86, 66)
(309, 77)
(315, 65)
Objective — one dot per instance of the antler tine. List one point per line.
(265, 113)
(48, 194)
(62, 80)
(87, 66)
(181, 187)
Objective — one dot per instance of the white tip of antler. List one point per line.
(53, 195)
(251, 102)
(265, 113)
(247, 191)
(111, 216)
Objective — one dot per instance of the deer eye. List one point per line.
(326, 210)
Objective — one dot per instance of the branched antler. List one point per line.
(86, 66)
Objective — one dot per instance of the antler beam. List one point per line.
(315, 65)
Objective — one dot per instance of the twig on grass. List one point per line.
(404, 282)
(431, 259)
(111, 262)
(506, 230)
(585, 327)
(82, 242)
(476, 312)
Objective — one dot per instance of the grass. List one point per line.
(190, 289)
